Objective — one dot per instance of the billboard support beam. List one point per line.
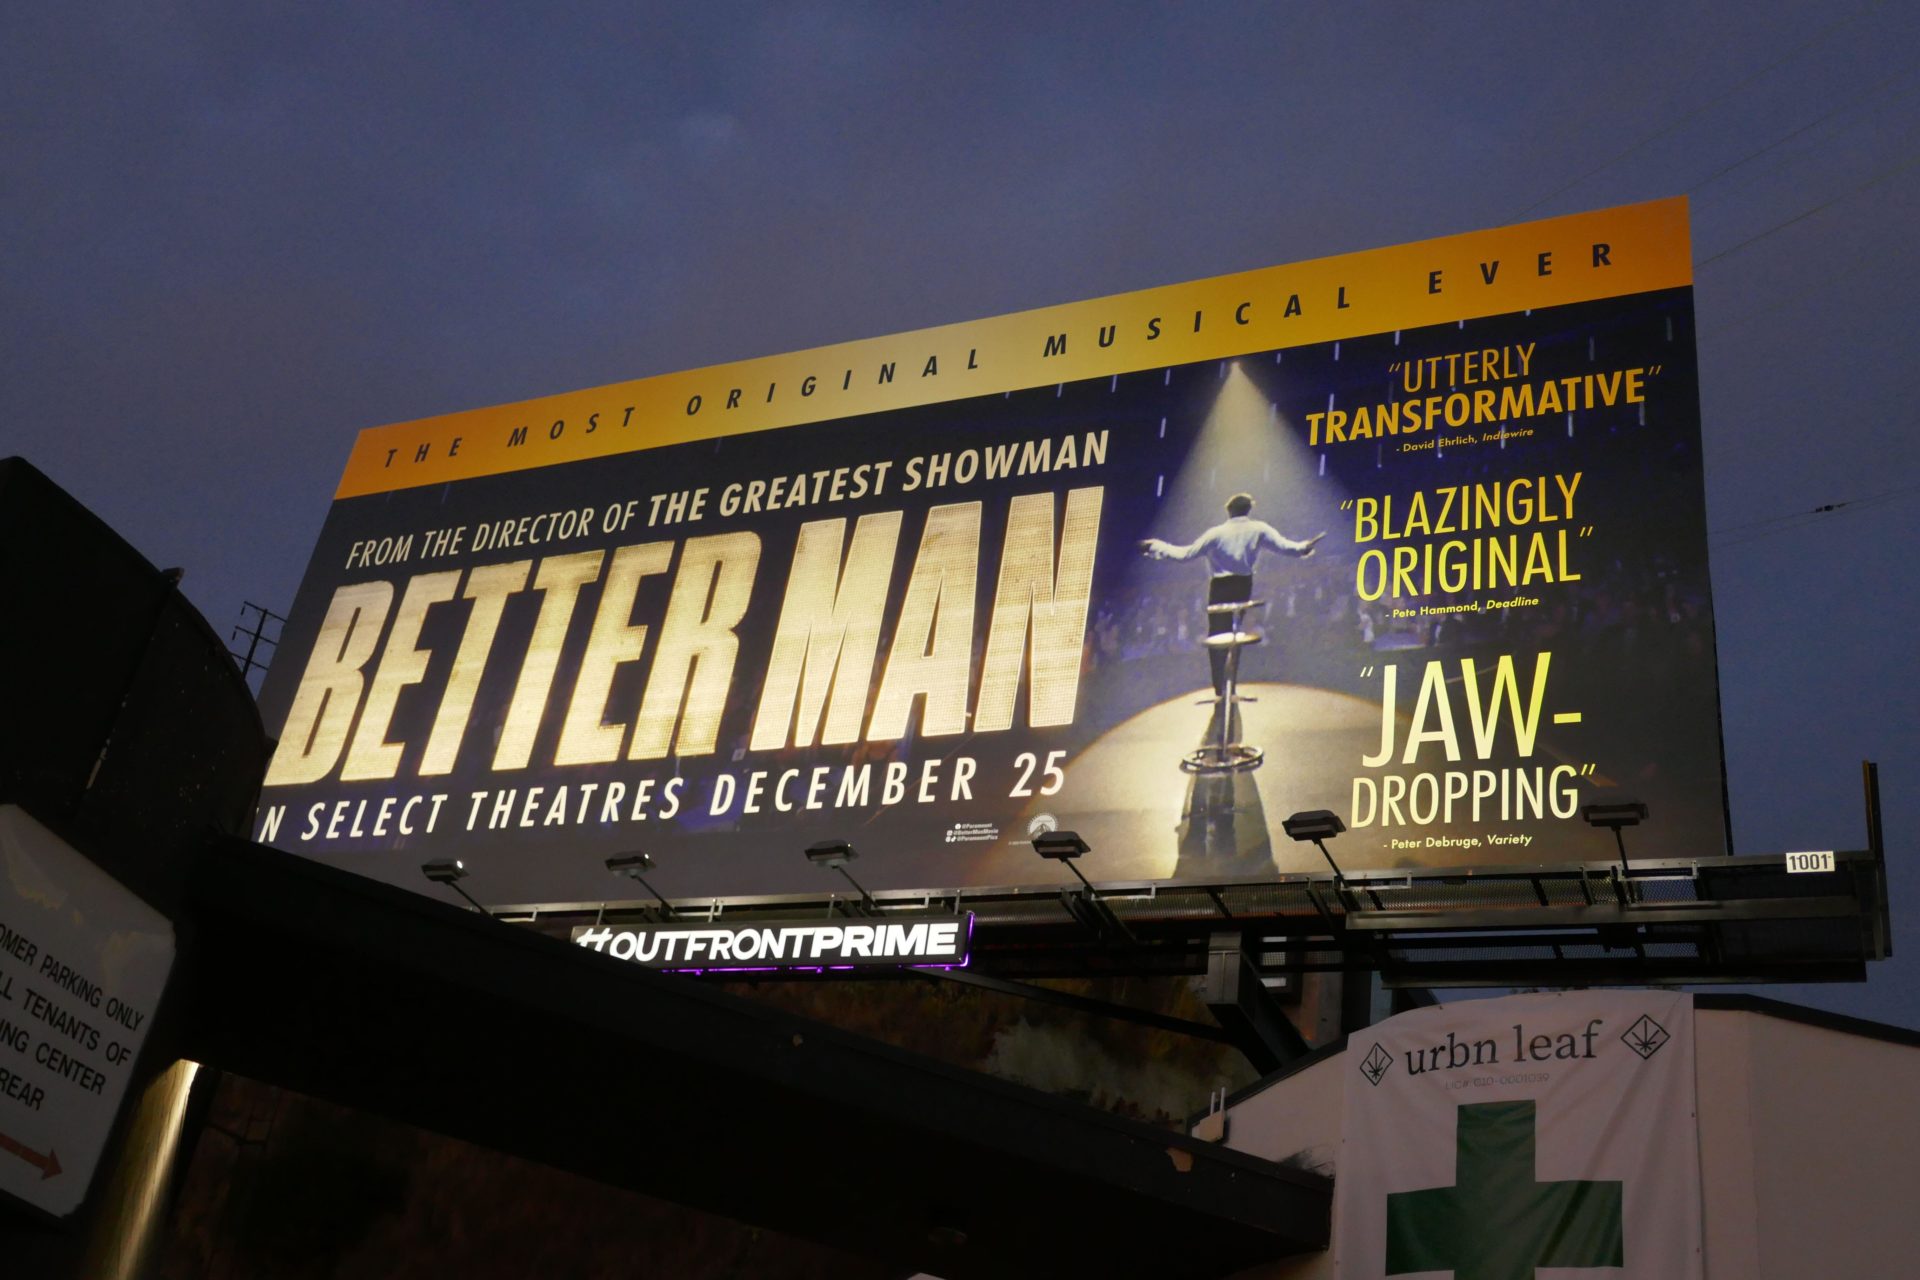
(1881, 939)
(1080, 1004)
(1695, 920)
(1253, 1020)
(1096, 916)
(1356, 1000)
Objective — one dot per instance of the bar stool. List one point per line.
(1227, 755)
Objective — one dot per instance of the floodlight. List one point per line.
(449, 871)
(837, 854)
(831, 853)
(1063, 847)
(1060, 845)
(1615, 815)
(1314, 824)
(632, 865)
(1623, 813)
(1083, 905)
(1319, 826)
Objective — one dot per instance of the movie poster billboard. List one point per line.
(1415, 535)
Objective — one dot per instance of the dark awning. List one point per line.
(357, 992)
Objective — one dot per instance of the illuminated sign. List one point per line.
(1414, 535)
(789, 944)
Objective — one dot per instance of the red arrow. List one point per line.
(48, 1164)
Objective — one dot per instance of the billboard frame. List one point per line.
(605, 732)
(1664, 922)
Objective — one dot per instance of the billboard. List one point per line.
(1415, 535)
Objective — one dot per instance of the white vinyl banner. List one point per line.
(83, 964)
(1531, 1136)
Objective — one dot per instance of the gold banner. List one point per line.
(1579, 258)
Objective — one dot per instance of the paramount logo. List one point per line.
(928, 940)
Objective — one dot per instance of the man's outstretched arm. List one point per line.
(1287, 546)
(1160, 550)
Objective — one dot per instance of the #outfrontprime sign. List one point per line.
(924, 940)
(1427, 521)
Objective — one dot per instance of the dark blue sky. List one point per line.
(235, 237)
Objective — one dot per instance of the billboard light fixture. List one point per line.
(1086, 907)
(1616, 815)
(1063, 847)
(444, 870)
(837, 854)
(449, 872)
(1313, 824)
(1319, 826)
(634, 866)
(831, 853)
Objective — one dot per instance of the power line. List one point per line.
(1874, 181)
(1793, 521)
(1714, 101)
(1815, 123)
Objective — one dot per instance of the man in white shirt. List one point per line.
(1231, 548)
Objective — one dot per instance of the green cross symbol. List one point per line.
(1496, 1222)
